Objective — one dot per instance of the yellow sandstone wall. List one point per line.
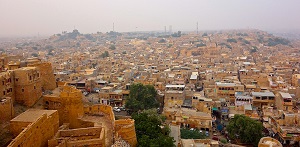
(125, 129)
(27, 85)
(7, 85)
(92, 137)
(69, 105)
(37, 133)
(108, 110)
(47, 75)
(6, 109)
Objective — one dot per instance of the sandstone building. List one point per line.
(27, 85)
(34, 128)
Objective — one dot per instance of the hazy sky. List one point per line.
(28, 17)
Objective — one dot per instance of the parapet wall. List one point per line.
(125, 129)
(99, 108)
(36, 134)
(72, 92)
(94, 136)
(61, 83)
(94, 131)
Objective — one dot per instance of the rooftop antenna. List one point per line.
(197, 27)
(113, 26)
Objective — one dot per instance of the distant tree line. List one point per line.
(276, 41)
(231, 40)
(105, 54)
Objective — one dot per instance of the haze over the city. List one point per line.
(32, 17)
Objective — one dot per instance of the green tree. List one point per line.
(231, 40)
(105, 54)
(201, 44)
(246, 129)
(162, 40)
(112, 47)
(150, 131)
(34, 55)
(48, 47)
(254, 49)
(223, 140)
(141, 97)
(246, 41)
(191, 134)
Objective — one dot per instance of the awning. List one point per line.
(216, 109)
(231, 115)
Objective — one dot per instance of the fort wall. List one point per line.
(125, 129)
(100, 108)
(69, 105)
(36, 133)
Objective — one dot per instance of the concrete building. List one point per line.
(227, 91)
(261, 99)
(174, 95)
(284, 101)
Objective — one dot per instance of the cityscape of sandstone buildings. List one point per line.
(233, 72)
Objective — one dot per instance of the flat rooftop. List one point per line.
(31, 115)
(225, 84)
(263, 94)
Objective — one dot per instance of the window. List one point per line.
(34, 87)
(3, 92)
(17, 79)
(2, 82)
(30, 77)
(22, 90)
